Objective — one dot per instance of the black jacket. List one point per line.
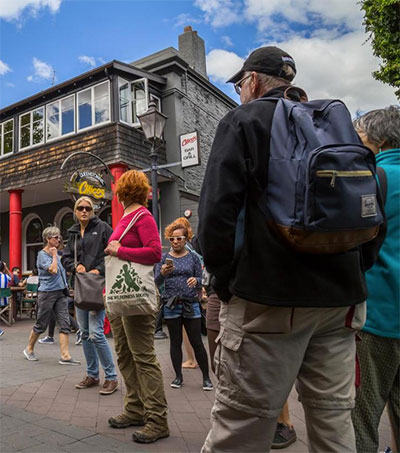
(265, 269)
(90, 249)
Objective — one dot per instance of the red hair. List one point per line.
(133, 187)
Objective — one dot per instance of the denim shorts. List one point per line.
(177, 312)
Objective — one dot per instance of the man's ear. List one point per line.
(255, 85)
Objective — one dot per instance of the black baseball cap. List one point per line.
(267, 60)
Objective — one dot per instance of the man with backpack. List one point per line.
(288, 199)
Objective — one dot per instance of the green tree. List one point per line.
(382, 23)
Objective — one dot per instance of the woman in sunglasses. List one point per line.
(51, 297)
(90, 234)
(180, 272)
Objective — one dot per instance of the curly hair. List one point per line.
(175, 225)
(185, 222)
(133, 187)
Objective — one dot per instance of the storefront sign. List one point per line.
(189, 144)
(91, 184)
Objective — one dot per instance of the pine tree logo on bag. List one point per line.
(128, 282)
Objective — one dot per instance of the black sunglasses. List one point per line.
(84, 208)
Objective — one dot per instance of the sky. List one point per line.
(45, 42)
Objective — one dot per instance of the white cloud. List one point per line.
(91, 61)
(185, 19)
(326, 68)
(221, 64)
(12, 9)
(220, 13)
(4, 68)
(227, 41)
(42, 71)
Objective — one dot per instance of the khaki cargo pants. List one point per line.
(261, 351)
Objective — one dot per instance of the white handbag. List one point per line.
(130, 287)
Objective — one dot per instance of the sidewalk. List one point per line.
(41, 411)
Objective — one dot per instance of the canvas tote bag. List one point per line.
(88, 288)
(130, 287)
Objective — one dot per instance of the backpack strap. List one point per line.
(382, 182)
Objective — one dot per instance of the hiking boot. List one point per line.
(123, 421)
(87, 382)
(177, 383)
(47, 340)
(150, 433)
(207, 384)
(160, 335)
(109, 387)
(284, 436)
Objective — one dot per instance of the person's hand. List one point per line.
(80, 268)
(53, 251)
(192, 282)
(112, 248)
(94, 271)
(166, 269)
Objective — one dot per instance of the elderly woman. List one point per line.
(145, 404)
(378, 351)
(181, 274)
(52, 297)
(90, 236)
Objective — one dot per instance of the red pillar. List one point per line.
(15, 229)
(117, 210)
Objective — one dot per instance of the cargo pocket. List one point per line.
(227, 362)
(356, 316)
(268, 319)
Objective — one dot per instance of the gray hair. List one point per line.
(381, 126)
(268, 82)
(50, 232)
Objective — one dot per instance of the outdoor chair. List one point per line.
(6, 312)
(28, 302)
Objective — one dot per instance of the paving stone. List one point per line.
(55, 439)
(18, 441)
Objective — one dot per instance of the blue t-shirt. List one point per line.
(4, 281)
(47, 280)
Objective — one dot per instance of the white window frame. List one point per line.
(147, 98)
(129, 122)
(25, 223)
(59, 101)
(93, 108)
(2, 138)
(31, 145)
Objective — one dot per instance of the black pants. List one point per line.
(193, 330)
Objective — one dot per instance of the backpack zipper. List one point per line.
(342, 174)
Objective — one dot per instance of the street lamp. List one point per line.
(153, 123)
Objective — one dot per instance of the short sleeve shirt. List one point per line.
(4, 281)
(47, 280)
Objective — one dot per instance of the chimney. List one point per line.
(193, 51)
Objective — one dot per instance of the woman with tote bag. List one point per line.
(83, 254)
(134, 248)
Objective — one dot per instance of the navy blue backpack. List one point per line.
(322, 191)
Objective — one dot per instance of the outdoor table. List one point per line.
(15, 290)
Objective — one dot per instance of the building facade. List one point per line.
(96, 112)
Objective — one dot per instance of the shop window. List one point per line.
(60, 118)
(94, 106)
(34, 242)
(6, 137)
(31, 128)
(105, 215)
(66, 222)
(134, 99)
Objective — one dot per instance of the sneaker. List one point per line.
(284, 436)
(1, 332)
(207, 384)
(78, 337)
(160, 335)
(123, 421)
(150, 433)
(30, 356)
(87, 382)
(47, 340)
(70, 361)
(177, 383)
(109, 387)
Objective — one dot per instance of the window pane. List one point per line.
(68, 119)
(8, 126)
(37, 132)
(38, 114)
(31, 256)
(102, 113)
(85, 109)
(101, 90)
(25, 119)
(25, 138)
(8, 143)
(124, 102)
(138, 100)
(66, 222)
(53, 120)
(34, 232)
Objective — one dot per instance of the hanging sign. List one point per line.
(190, 154)
(91, 184)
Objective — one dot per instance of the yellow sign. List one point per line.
(85, 188)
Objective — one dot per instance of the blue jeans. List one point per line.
(95, 344)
